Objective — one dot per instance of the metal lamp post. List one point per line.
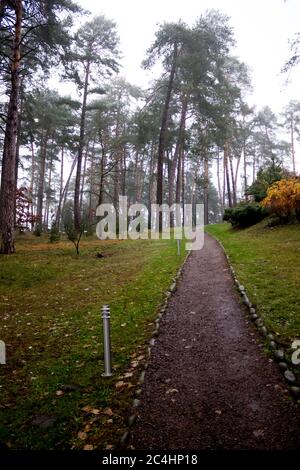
(106, 341)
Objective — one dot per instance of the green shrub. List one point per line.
(54, 235)
(245, 214)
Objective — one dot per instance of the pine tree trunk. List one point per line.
(226, 157)
(61, 185)
(293, 146)
(32, 178)
(245, 172)
(219, 182)
(8, 175)
(173, 164)
(234, 199)
(83, 177)
(163, 135)
(206, 189)
(77, 214)
(48, 195)
(41, 185)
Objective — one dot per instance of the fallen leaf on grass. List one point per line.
(108, 412)
(128, 375)
(95, 411)
(82, 435)
(88, 447)
(59, 393)
(120, 385)
(87, 409)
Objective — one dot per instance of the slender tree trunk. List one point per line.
(245, 172)
(293, 146)
(152, 189)
(219, 182)
(102, 168)
(41, 185)
(83, 177)
(66, 188)
(32, 179)
(48, 195)
(183, 184)
(234, 199)
(254, 166)
(61, 185)
(8, 175)
(206, 188)
(226, 169)
(77, 214)
(163, 134)
(91, 172)
(174, 161)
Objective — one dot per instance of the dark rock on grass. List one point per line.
(264, 331)
(254, 317)
(283, 366)
(290, 377)
(271, 337)
(68, 388)
(43, 421)
(272, 345)
(259, 322)
(279, 355)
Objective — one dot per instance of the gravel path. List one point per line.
(209, 385)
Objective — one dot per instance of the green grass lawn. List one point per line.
(267, 263)
(50, 302)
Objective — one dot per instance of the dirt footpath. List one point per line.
(209, 385)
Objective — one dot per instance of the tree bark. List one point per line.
(41, 185)
(61, 185)
(77, 214)
(219, 182)
(234, 199)
(163, 134)
(8, 175)
(173, 164)
(226, 169)
(293, 146)
(206, 189)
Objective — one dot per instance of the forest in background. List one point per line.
(191, 137)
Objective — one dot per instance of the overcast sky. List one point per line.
(262, 30)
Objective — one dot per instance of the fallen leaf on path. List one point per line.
(258, 433)
(171, 390)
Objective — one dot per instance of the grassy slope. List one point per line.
(50, 304)
(267, 262)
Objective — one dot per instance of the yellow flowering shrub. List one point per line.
(283, 199)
